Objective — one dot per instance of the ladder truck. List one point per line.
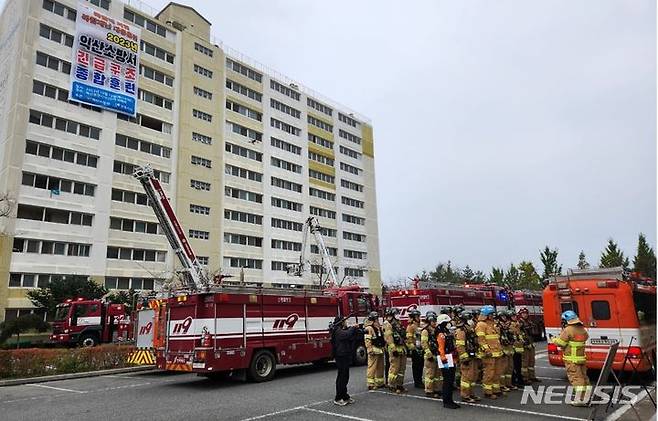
(298, 269)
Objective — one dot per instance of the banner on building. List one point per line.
(105, 62)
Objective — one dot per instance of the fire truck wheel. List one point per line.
(360, 355)
(88, 340)
(263, 366)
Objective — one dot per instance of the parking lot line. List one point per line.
(349, 417)
(481, 405)
(57, 388)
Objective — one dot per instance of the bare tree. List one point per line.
(6, 205)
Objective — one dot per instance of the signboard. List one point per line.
(105, 62)
(145, 328)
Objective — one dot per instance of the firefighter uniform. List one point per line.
(466, 345)
(517, 359)
(489, 341)
(394, 336)
(528, 361)
(414, 347)
(507, 364)
(375, 344)
(572, 340)
(431, 372)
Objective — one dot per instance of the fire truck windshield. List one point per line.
(62, 311)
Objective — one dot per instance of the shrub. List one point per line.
(32, 362)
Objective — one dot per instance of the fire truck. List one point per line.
(210, 326)
(615, 307)
(89, 322)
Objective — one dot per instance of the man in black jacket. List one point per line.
(343, 343)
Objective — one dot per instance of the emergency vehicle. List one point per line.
(89, 323)
(615, 307)
(209, 326)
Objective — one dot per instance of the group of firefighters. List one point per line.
(493, 348)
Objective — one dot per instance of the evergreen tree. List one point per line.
(528, 276)
(511, 278)
(497, 276)
(582, 262)
(467, 275)
(613, 257)
(61, 289)
(478, 277)
(549, 260)
(645, 259)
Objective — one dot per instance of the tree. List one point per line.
(479, 277)
(6, 205)
(582, 262)
(122, 297)
(645, 259)
(613, 257)
(511, 278)
(497, 276)
(467, 275)
(549, 260)
(444, 272)
(528, 276)
(21, 324)
(62, 288)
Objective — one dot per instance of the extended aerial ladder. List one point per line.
(195, 277)
(298, 269)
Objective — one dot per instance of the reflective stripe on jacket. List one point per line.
(489, 337)
(572, 340)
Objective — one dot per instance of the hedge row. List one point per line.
(32, 362)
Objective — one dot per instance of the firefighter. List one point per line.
(489, 341)
(518, 345)
(507, 342)
(446, 341)
(394, 335)
(528, 361)
(466, 344)
(431, 373)
(375, 344)
(414, 347)
(572, 340)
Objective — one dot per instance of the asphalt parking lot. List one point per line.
(297, 393)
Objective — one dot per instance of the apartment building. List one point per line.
(245, 154)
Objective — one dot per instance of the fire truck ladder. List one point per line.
(195, 277)
(297, 269)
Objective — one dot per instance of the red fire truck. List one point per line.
(89, 322)
(615, 307)
(211, 327)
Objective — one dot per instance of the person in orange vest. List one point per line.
(572, 340)
(492, 362)
(446, 341)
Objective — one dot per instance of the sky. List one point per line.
(500, 127)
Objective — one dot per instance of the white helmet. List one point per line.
(443, 318)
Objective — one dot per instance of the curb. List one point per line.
(43, 379)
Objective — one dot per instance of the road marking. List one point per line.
(272, 414)
(541, 357)
(550, 378)
(623, 409)
(349, 417)
(545, 351)
(481, 405)
(57, 388)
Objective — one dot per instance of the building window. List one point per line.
(202, 93)
(244, 131)
(64, 125)
(37, 280)
(243, 90)
(288, 147)
(287, 109)
(129, 169)
(201, 115)
(129, 197)
(244, 240)
(239, 262)
(198, 137)
(197, 160)
(132, 225)
(140, 20)
(157, 52)
(351, 219)
(201, 235)
(243, 173)
(288, 166)
(203, 49)
(25, 245)
(321, 194)
(155, 99)
(142, 255)
(347, 120)
(288, 128)
(245, 111)
(59, 94)
(105, 4)
(285, 184)
(280, 266)
(198, 209)
(321, 176)
(284, 90)
(325, 213)
(148, 122)
(351, 185)
(318, 106)
(199, 185)
(203, 260)
(244, 152)
(352, 236)
(203, 71)
(243, 70)
(351, 202)
(349, 152)
(320, 124)
(357, 273)
(58, 216)
(286, 245)
(332, 251)
(320, 141)
(243, 194)
(250, 218)
(349, 136)
(286, 204)
(142, 146)
(58, 185)
(60, 154)
(287, 225)
(156, 75)
(320, 158)
(353, 254)
(124, 283)
(53, 63)
(60, 9)
(350, 169)
(55, 35)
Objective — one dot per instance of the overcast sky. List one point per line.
(500, 127)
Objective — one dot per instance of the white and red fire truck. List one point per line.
(615, 307)
(210, 327)
(89, 323)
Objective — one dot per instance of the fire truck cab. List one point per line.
(89, 323)
(614, 307)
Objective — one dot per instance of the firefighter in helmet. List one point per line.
(489, 341)
(466, 344)
(394, 335)
(518, 345)
(431, 373)
(572, 340)
(414, 347)
(507, 342)
(446, 341)
(528, 362)
(375, 344)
